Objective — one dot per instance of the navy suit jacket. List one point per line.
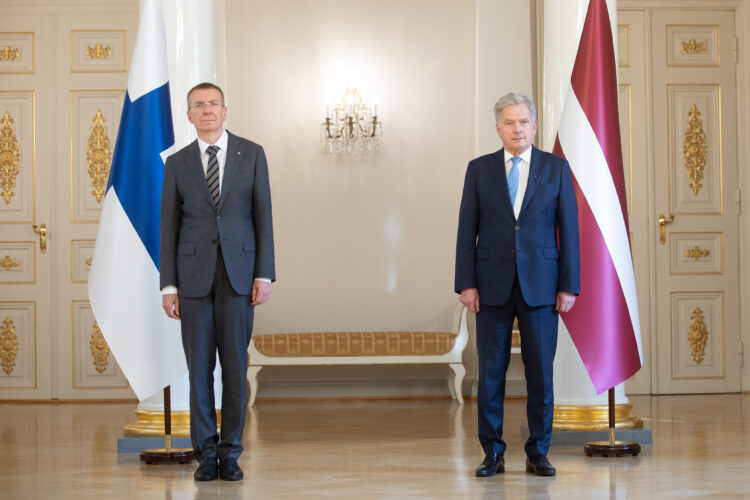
(492, 245)
(193, 229)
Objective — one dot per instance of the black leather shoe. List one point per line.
(540, 466)
(491, 465)
(229, 470)
(207, 469)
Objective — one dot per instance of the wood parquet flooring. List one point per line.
(378, 450)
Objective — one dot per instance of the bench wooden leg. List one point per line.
(455, 385)
(252, 379)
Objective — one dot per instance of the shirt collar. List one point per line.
(525, 156)
(221, 143)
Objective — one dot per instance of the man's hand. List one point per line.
(171, 304)
(470, 298)
(260, 293)
(564, 302)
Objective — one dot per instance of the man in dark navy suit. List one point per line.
(517, 256)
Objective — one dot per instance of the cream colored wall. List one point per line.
(366, 244)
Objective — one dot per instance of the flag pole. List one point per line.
(167, 454)
(612, 448)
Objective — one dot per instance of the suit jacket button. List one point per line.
(518, 227)
(512, 252)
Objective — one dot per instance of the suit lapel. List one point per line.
(234, 155)
(497, 169)
(533, 180)
(195, 168)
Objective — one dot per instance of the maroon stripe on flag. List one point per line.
(594, 81)
(599, 324)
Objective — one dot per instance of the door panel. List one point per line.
(63, 79)
(26, 180)
(695, 182)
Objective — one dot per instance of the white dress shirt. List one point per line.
(523, 176)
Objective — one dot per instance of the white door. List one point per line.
(64, 93)
(695, 192)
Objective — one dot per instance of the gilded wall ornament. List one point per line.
(8, 157)
(694, 149)
(99, 349)
(7, 263)
(8, 54)
(692, 47)
(98, 51)
(98, 156)
(696, 253)
(89, 261)
(698, 335)
(8, 345)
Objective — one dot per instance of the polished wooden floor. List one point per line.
(378, 449)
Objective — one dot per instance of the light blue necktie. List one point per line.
(513, 179)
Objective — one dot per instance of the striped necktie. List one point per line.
(212, 174)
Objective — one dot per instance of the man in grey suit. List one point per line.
(216, 265)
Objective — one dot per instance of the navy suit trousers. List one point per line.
(538, 326)
(222, 322)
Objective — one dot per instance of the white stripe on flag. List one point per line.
(149, 69)
(148, 345)
(589, 165)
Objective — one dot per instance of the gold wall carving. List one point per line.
(692, 47)
(696, 253)
(8, 345)
(89, 261)
(8, 157)
(98, 51)
(698, 335)
(98, 156)
(694, 149)
(99, 349)
(8, 54)
(7, 263)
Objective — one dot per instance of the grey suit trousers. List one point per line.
(223, 321)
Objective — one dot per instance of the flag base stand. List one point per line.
(612, 448)
(167, 455)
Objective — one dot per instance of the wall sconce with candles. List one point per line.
(351, 128)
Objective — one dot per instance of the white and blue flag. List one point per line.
(124, 276)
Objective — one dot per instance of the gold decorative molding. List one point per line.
(100, 52)
(89, 261)
(99, 349)
(696, 253)
(593, 417)
(151, 423)
(9, 54)
(694, 149)
(8, 345)
(698, 335)
(8, 157)
(98, 156)
(7, 263)
(692, 47)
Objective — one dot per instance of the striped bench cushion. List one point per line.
(279, 345)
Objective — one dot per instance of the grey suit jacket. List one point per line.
(193, 229)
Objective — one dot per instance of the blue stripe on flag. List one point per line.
(137, 170)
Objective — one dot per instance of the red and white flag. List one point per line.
(604, 324)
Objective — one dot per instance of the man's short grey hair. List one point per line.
(513, 99)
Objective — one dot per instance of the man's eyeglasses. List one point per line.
(210, 104)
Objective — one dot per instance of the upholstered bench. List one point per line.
(362, 348)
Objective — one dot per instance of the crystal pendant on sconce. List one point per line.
(351, 128)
